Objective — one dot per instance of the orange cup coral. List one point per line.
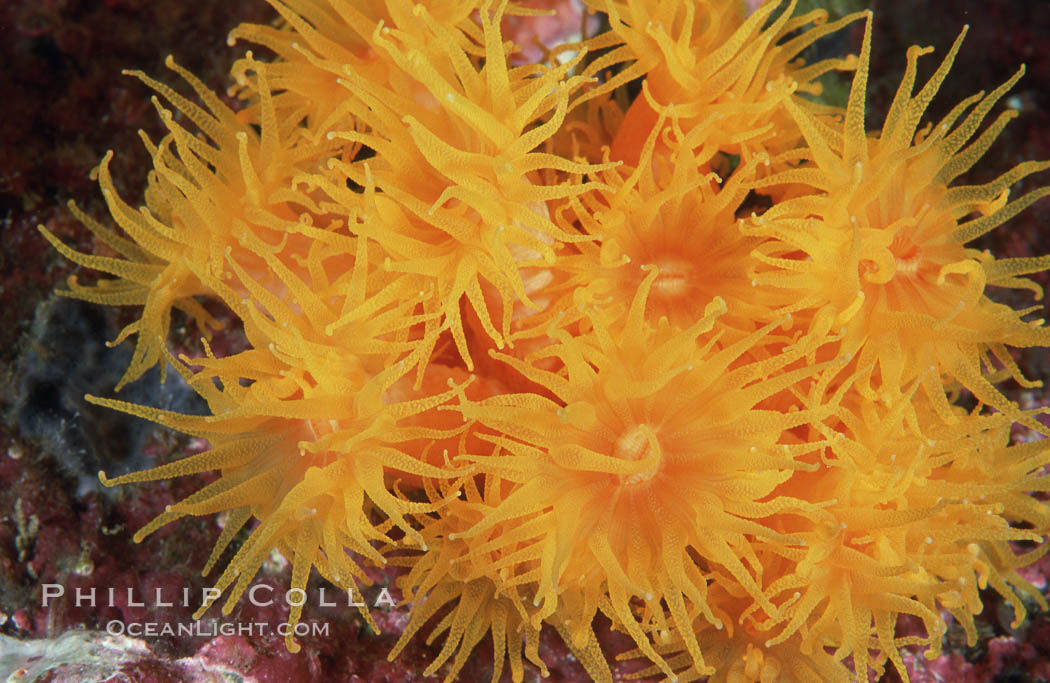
(645, 329)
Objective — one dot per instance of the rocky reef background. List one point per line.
(64, 104)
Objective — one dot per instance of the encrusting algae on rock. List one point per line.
(645, 329)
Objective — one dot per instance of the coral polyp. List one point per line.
(644, 328)
(649, 480)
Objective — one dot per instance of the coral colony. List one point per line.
(641, 327)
